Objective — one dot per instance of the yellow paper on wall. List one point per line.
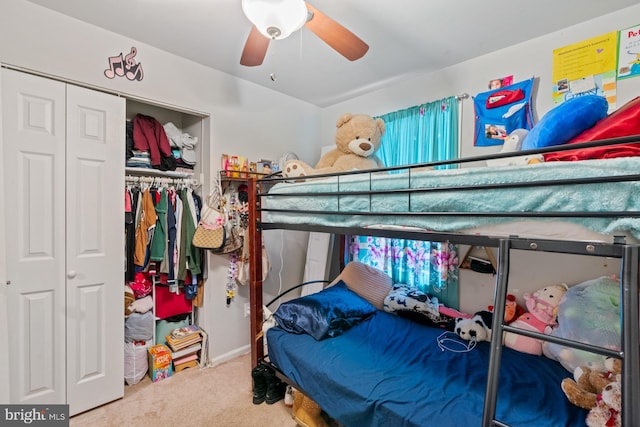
(586, 67)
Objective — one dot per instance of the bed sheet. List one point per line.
(613, 196)
(390, 371)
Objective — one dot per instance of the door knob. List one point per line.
(71, 274)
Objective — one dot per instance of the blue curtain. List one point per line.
(424, 133)
(420, 134)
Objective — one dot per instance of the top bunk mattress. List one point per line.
(492, 199)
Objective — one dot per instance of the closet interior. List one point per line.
(165, 273)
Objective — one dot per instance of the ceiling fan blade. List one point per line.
(335, 35)
(255, 48)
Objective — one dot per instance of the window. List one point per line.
(420, 134)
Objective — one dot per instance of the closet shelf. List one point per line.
(242, 176)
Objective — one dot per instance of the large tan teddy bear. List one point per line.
(358, 138)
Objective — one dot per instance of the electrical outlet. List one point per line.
(247, 309)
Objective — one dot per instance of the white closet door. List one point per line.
(33, 153)
(95, 248)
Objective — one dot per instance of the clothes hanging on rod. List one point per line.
(160, 218)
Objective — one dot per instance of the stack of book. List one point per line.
(186, 346)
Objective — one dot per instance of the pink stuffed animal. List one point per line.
(542, 306)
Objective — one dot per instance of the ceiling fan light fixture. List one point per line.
(276, 19)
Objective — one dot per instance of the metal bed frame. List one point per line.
(627, 253)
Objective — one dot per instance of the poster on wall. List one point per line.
(500, 82)
(586, 68)
(629, 52)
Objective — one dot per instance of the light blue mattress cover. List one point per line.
(597, 197)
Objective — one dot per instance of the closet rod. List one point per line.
(130, 179)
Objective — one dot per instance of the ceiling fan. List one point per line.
(277, 19)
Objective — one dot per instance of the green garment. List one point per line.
(159, 243)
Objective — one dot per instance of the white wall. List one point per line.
(4, 332)
(532, 58)
(246, 119)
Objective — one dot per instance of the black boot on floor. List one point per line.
(275, 388)
(259, 384)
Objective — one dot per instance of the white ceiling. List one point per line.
(405, 36)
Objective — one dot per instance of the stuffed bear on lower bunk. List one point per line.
(597, 391)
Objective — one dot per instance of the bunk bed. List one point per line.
(388, 370)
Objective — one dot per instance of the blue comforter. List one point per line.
(390, 371)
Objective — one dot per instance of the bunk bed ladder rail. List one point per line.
(630, 339)
(491, 394)
(630, 318)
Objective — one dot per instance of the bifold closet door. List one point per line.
(63, 156)
(33, 127)
(95, 247)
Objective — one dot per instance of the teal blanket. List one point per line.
(600, 197)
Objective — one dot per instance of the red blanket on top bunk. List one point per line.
(623, 122)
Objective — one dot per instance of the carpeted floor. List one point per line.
(220, 396)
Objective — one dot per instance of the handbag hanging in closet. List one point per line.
(211, 232)
(233, 241)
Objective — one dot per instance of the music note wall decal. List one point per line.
(124, 66)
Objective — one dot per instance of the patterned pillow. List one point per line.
(416, 305)
(368, 282)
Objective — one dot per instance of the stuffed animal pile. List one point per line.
(358, 138)
(587, 312)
